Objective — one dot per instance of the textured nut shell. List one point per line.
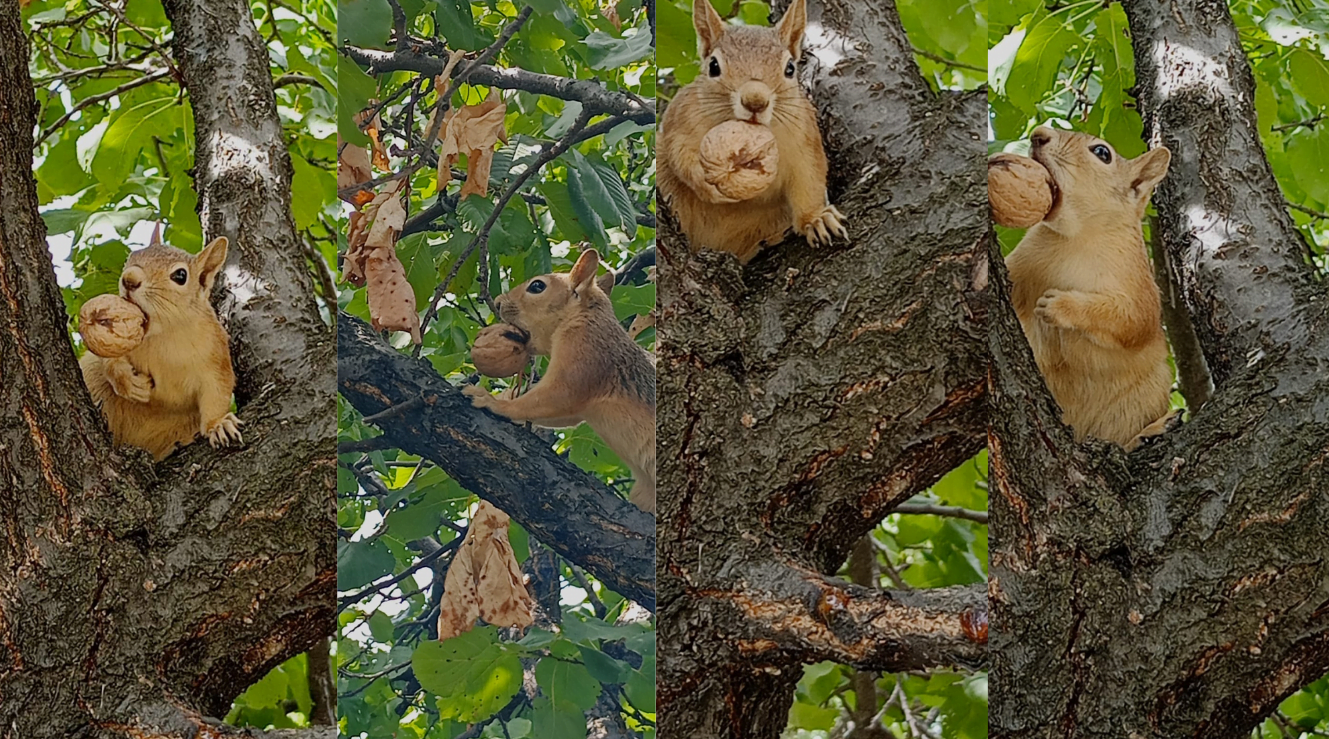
(739, 158)
(1019, 190)
(111, 326)
(500, 350)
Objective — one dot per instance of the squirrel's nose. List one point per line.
(755, 101)
(131, 283)
(1040, 137)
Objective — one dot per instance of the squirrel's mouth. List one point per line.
(1038, 156)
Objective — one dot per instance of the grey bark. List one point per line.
(806, 395)
(142, 598)
(1182, 590)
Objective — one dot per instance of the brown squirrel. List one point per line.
(177, 383)
(596, 373)
(1084, 292)
(749, 73)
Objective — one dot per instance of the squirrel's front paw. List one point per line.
(480, 398)
(824, 226)
(1054, 308)
(224, 431)
(131, 385)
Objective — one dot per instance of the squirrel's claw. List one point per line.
(824, 227)
(480, 398)
(225, 431)
(135, 387)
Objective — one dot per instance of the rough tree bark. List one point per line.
(806, 395)
(137, 599)
(1182, 590)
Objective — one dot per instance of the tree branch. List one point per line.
(574, 514)
(1247, 286)
(595, 98)
(807, 617)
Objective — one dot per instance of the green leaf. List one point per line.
(472, 675)
(602, 667)
(362, 562)
(364, 22)
(1310, 73)
(1034, 69)
(380, 626)
(458, 25)
(608, 52)
(567, 682)
(1308, 158)
(559, 721)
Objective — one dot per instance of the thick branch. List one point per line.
(1221, 213)
(787, 612)
(577, 516)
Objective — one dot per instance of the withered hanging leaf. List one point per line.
(484, 580)
(380, 154)
(391, 300)
(473, 129)
(354, 168)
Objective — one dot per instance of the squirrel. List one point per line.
(177, 383)
(596, 373)
(750, 74)
(1084, 292)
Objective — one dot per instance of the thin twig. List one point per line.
(930, 509)
(547, 155)
(101, 97)
(424, 561)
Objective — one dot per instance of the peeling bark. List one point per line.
(806, 395)
(1181, 590)
(141, 598)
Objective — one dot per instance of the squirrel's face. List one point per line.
(170, 283)
(1094, 187)
(748, 73)
(542, 304)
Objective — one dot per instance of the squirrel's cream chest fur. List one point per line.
(1083, 289)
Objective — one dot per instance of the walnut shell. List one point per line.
(111, 326)
(740, 158)
(1019, 190)
(500, 350)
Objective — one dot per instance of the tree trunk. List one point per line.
(1182, 590)
(806, 395)
(137, 599)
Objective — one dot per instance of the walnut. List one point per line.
(739, 158)
(1019, 190)
(111, 326)
(500, 350)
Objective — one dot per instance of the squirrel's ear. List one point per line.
(209, 261)
(156, 234)
(710, 27)
(791, 26)
(584, 270)
(1150, 168)
(606, 281)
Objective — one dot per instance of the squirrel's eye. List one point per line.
(536, 287)
(714, 68)
(1102, 152)
(789, 69)
(180, 276)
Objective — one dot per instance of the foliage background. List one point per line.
(394, 679)
(1071, 65)
(912, 550)
(114, 154)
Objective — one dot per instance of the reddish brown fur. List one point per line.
(596, 374)
(752, 62)
(177, 384)
(1085, 294)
